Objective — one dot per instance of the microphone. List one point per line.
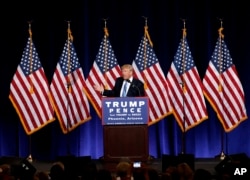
(134, 86)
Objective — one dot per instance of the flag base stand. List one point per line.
(221, 156)
(29, 158)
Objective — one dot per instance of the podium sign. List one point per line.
(125, 111)
(125, 122)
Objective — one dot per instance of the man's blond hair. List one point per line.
(127, 66)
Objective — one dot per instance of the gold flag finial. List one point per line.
(106, 33)
(221, 29)
(70, 36)
(184, 30)
(146, 32)
(220, 32)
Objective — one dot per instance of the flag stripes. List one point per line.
(104, 71)
(69, 101)
(29, 92)
(223, 88)
(148, 70)
(186, 89)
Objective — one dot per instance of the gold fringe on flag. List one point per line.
(220, 88)
(31, 87)
(31, 43)
(30, 32)
(106, 32)
(145, 85)
(147, 35)
(184, 35)
(221, 35)
(70, 36)
(184, 32)
(220, 32)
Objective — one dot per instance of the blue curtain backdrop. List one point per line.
(126, 27)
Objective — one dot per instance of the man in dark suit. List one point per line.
(125, 86)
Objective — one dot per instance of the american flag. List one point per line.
(104, 71)
(29, 91)
(223, 88)
(69, 100)
(186, 89)
(147, 69)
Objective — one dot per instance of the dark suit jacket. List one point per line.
(136, 88)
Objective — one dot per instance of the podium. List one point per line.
(125, 133)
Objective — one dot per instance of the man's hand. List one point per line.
(99, 88)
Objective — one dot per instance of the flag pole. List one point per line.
(183, 148)
(29, 158)
(106, 35)
(146, 36)
(68, 83)
(222, 155)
